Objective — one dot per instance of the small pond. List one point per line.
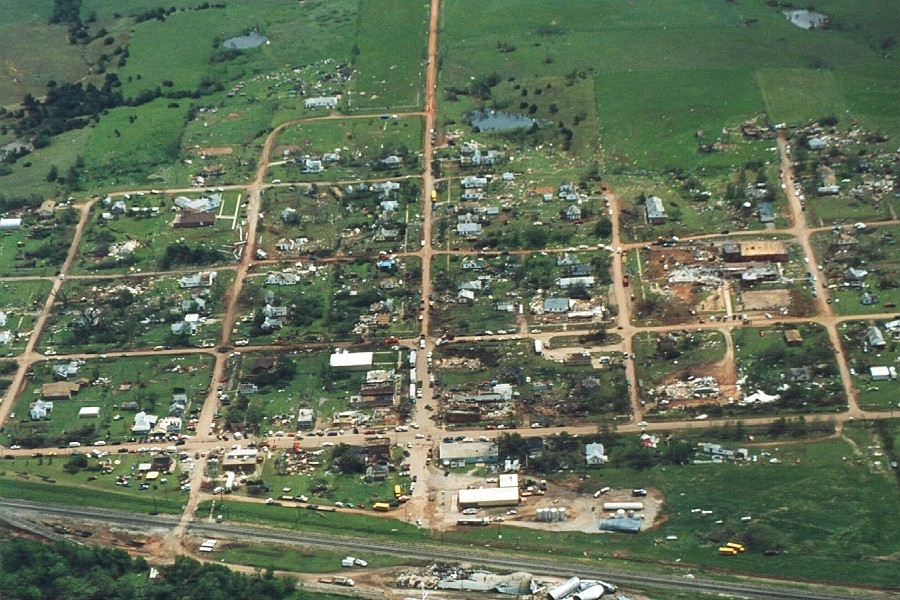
(243, 42)
(492, 120)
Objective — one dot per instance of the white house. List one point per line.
(595, 454)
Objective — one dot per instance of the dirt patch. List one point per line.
(213, 150)
(765, 299)
(713, 303)
(280, 150)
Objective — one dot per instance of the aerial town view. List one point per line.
(398, 299)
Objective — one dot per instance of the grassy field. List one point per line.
(13, 486)
(149, 381)
(96, 482)
(298, 560)
(694, 67)
(391, 38)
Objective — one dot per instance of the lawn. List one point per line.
(872, 251)
(106, 383)
(341, 220)
(873, 395)
(338, 301)
(103, 314)
(83, 496)
(300, 379)
(804, 375)
(20, 303)
(135, 240)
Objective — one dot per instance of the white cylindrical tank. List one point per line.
(562, 514)
(554, 515)
(591, 593)
(625, 505)
(564, 589)
(542, 514)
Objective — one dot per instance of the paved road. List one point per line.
(500, 560)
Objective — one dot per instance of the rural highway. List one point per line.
(549, 566)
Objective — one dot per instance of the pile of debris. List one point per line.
(448, 577)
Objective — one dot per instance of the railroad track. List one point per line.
(500, 561)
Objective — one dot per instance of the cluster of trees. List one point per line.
(65, 11)
(33, 571)
(65, 107)
(181, 254)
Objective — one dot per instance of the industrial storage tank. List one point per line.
(554, 515)
(564, 589)
(562, 514)
(591, 593)
(623, 505)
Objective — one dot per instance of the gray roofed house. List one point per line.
(816, 143)
(567, 282)
(766, 212)
(572, 213)
(469, 229)
(580, 270)
(556, 305)
(874, 337)
(868, 299)
(389, 205)
(566, 260)
(852, 274)
(472, 181)
(288, 214)
(391, 161)
(656, 212)
(312, 166)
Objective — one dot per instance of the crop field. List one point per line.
(140, 240)
(298, 380)
(102, 314)
(343, 220)
(803, 375)
(336, 301)
(874, 394)
(148, 381)
(20, 305)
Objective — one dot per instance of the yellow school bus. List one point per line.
(727, 551)
(736, 546)
(382, 506)
(398, 491)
